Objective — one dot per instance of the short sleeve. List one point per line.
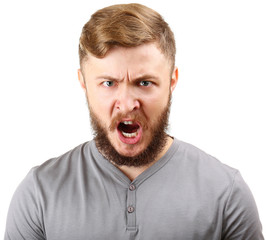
(24, 215)
(241, 218)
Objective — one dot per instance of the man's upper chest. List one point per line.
(149, 210)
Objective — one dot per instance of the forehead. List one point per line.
(146, 58)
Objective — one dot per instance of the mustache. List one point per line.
(136, 117)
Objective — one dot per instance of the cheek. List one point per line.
(101, 106)
(153, 107)
(158, 100)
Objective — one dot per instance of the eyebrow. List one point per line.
(139, 78)
(107, 77)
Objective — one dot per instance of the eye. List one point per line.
(108, 83)
(145, 83)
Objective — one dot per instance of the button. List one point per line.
(132, 187)
(130, 209)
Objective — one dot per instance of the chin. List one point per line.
(130, 150)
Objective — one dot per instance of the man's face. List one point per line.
(128, 93)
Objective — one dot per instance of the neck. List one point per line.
(133, 172)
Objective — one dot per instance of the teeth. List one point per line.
(128, 122)
(129, 135)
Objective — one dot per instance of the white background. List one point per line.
(218, 105)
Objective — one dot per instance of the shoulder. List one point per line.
(43, 182)
(219, 183)
(61, 170)
(206, 165)
(42, 185)
(63, 163)
(199, 170)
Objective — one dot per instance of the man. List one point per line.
(133, 181)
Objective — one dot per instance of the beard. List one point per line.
(148, 155)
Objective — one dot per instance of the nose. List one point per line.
(126, 101)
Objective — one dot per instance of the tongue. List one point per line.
(128, 128)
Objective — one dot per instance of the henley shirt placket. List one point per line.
(131, 208)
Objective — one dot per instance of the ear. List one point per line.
(174, 79)
(81, 80)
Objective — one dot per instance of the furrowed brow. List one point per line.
(146, 77)
(108, 78)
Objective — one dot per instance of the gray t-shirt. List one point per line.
(186, 195)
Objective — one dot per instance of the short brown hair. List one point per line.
(127, 25)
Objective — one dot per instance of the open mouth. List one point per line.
(129, 132)
(129, 129)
